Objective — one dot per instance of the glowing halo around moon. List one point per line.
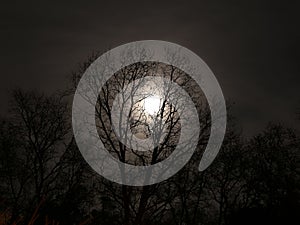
(85, 99)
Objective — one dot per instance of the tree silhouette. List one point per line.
(45, 180)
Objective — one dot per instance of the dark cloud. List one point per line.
(252, 46)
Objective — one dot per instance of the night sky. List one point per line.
(251, 46)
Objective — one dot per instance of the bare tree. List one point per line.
(34, 147)
(139, 205)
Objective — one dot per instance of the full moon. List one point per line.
(152, 104)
